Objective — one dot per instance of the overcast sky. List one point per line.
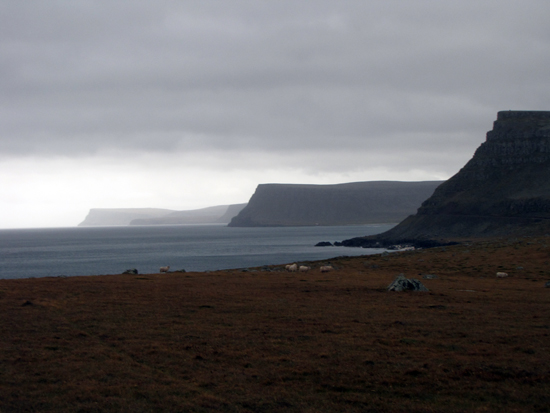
(189, 104)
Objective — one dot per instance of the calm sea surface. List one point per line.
(111, 250)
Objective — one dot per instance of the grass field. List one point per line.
(265, 340)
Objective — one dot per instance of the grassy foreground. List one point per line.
(264, 341)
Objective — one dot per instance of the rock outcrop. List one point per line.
(341, 204)
(503, 190)
(401, 283)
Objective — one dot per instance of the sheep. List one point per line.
(326, 268)
(165, 269)
(304, 268)
(501, 275)
(292, 267)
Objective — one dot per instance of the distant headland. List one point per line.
(220, 214)
(341, 204)
(275, 205)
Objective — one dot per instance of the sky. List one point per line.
(189, 104)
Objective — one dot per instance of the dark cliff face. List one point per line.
(503, 190)
(342, 204)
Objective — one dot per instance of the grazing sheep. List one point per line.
(501, 275)
(326, 268)
(304, 268)
(165, 269)
(292, 267)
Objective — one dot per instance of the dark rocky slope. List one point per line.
(341, 204)
(503, 190)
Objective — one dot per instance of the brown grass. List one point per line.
(263, 341)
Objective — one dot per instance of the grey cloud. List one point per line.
(84, 76)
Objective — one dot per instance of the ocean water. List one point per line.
(48, 252)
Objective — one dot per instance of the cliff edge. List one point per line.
(503, 190)
(340, 204)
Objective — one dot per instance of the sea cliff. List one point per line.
(340, 204)
(503, 190)
(120, 216)
(220, 214)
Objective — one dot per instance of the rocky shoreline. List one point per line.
(395, 244)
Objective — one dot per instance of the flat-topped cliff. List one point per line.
(503, 190)
(340, 204)
(220, 214)
(120, 216)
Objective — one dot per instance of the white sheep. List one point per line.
(326, 268)
(292, 267)
(165, 269)
(304, 268)
(501, 275)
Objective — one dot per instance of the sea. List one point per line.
(77, 251)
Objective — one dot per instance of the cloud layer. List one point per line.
(331, 89)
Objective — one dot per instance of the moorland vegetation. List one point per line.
(263, 339)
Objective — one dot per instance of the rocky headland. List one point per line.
(220, 214)
(213, 215)
(340, 204)
(503, 190)
(120, 216)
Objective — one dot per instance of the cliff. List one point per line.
(120, 216)
(503, 190)
(341, 204)
(221, 214)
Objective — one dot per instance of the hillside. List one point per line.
(341, 204)
(503, 190)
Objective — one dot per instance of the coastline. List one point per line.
(267, 339)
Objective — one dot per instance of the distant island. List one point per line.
(220, 214)
(353, 203)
